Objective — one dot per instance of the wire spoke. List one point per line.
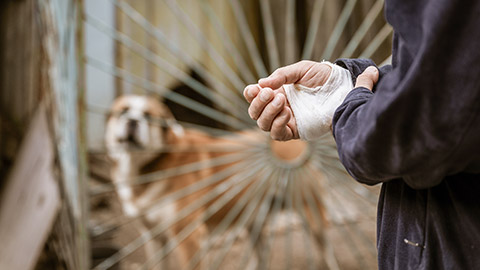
(363, 29)
(248, 38)
(157, 230)
(157, 204)
(313, 29)
(299, 208)
(176, 171)
(273, 54)
(310, 203)
(337, 31)
(243, 137)
(277, 205)
(355, 230)
(246, 215)
(387, 61)
(231, 48)
(162, 64)
(346, 183)
(288, 207)
(248, 137)
(241, 183)
(346, 234)
(342, 179)
(327, 246)
(206, 45)
(230, 217)
(377, 41)
(171, 46)
(261, 217)
(172, 96)
(290, 48)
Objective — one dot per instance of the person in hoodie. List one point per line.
(413, 127)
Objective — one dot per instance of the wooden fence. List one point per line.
(42, 165)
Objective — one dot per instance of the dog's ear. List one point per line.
(172, 123)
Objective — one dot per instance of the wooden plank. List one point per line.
(30, 200)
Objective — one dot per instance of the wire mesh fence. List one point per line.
(207, 189)
(261, 204)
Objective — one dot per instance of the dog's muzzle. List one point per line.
(132, 126)
(131, 135)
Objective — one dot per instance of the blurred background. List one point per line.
(65, 62)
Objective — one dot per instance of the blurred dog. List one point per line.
(143, 138)
(138, 131)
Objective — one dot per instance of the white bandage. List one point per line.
(314, 107)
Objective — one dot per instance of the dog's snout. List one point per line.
(132, 125)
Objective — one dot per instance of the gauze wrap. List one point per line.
(314, 107)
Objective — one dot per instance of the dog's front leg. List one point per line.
(153, 249)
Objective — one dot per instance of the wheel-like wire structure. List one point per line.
(288, 205)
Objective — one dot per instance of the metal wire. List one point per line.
(279, 202)
(363, 29)
(173, 172)
(157, 230)
(174, 49)
(273, 54)
(162, 64)
(248, 204)
(206, 45)
(337, 31)
(290, 49)
(268, 184)
(247, 35)
(313, 29)
(209, 212)
(175, 97)
(347, 237)
(377, 41)
(299, 208)
(179, 194)
(225, 37)
(387, 61)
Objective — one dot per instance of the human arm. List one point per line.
(422, 122)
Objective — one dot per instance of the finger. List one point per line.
(259, 102)
(286, 75)
(250, 92)
(270, 112)
(368, 78)
(280, 131)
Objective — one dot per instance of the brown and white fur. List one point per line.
(139, 131)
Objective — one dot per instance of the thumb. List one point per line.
(368, 78)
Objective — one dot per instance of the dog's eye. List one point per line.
(124, 111)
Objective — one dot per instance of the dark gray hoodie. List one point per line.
(419, 135)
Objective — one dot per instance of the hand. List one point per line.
(270, 107)
(271, 110)
(368, 78)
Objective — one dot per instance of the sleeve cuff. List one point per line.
(357, 97)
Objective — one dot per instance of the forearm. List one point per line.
(407, 130)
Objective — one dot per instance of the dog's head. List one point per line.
(139, 123)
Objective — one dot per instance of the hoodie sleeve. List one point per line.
(422, 123)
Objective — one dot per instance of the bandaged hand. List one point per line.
(268, 103)
(315, 106)
(314, 91)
